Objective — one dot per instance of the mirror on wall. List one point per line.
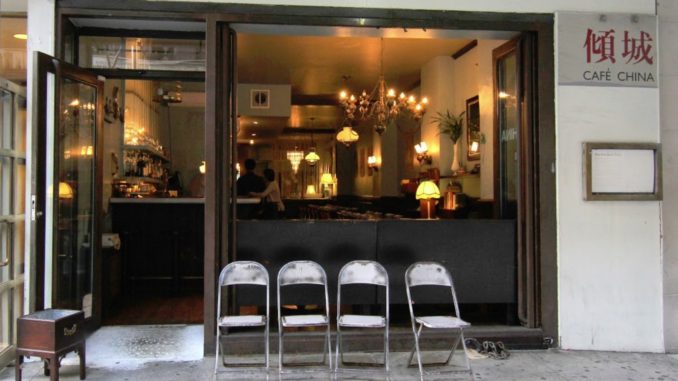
(473, 136)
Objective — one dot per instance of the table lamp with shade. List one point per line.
(428, 195)
(326, 181)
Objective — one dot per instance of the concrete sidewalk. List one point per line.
(170, 353)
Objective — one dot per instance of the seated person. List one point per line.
(273, 206)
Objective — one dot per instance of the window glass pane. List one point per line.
(6, 141)
(13, 49)
(141, 53)
(75, 182)
(509, 123)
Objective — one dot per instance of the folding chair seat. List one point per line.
(303, 273)
(434, 274)
(235, 274)
(363, 273)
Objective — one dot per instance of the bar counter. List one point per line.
(162, 243)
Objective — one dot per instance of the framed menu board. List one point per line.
(622, 171)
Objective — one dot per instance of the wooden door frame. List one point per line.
(217, 212)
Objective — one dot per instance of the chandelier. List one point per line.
(380, 104)
(295, 156)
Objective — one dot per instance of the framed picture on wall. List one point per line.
(473, 128)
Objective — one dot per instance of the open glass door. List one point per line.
(515, 162)
(12, 206)
(68, 185)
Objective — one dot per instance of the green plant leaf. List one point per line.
(449, 124)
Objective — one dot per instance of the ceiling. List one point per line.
(314, 60)
(314, 66)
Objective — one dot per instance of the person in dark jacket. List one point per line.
(250, 182)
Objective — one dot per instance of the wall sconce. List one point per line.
(373, 163)
(202, 167)
(422, 153)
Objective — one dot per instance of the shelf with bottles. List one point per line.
(141, 164)
(147, 149)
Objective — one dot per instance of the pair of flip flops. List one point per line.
(491, 349)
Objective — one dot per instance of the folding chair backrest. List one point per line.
(243, 272)
(363, 272)
(427, 274)
(302, 272)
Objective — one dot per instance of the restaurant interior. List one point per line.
(366, 129)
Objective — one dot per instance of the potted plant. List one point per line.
(451, 126)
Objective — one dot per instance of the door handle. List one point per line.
(5, 262)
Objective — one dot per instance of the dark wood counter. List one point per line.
(162, 243)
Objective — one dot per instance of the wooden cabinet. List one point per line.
(50, 334)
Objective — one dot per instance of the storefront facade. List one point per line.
(601, 264)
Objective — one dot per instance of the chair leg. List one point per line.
(338, 350)
(454, 348)
(280, 348)
(329, 344)
(216, 355)
(417, 333)
(266, 346)
(463, 345)
(386, 353)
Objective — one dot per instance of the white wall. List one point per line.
(41, 19)
(609, 253)
(668, 80)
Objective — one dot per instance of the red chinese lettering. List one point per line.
(638, 49)
(600, 45)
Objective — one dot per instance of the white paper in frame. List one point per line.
(622, 171)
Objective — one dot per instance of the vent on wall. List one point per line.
(264, 100)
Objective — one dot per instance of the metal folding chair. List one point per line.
(368, 273)
(434, 274)
(298, 273)
(242, 273)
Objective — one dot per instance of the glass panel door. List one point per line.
(74, 204)
(12, 204)
(67, 188)
(508, 119)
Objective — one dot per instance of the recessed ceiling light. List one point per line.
(21, 36)
(251, 142)
(255, 122)
(253, 134)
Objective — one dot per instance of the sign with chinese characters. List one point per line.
(607, 49)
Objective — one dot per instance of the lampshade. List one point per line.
(427, 190)
(312, 157)
(326, 179)
(347, 135)
(65, 190)
(310, 190)
(421, 148)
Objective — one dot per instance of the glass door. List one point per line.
(12, 206)
(516, 163)
(71, 197)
